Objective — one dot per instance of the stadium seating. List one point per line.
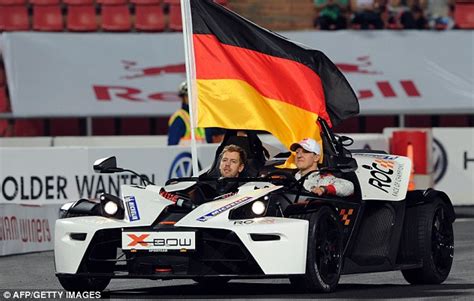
(175, 22)
(4, 102)
(81, 17)
(14, 17)
(45, 2)
(12, 2)
(78, 2)
(116, 17)
(47, 17)
(112, 2)
(464, 14)
(149, 17)
(65, 127)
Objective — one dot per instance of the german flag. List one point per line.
(251, 78)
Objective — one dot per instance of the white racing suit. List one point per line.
(334, 186)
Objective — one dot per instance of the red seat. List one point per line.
(78, 2)
(65, 127)
(48, 18)
(44, 2)
(81, 18)
(3, 75)
(149, 17)
(146, 1)
(12, 2)
(464, 15)
(112, 2)
(103, 126)
(4, 101)
(29, 127)
(15, 17)
(175, 21)
(141, 126)
(116, 18)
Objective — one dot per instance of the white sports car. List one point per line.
(267, 226)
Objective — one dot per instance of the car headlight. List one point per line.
(258, 207)
(253, 209)
(111, 206)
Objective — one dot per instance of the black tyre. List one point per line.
(80, 284)
(435, 245)
(211, 281)
(324, 255)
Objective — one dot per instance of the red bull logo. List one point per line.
(385, 88)
(140, 72)
(359, 67)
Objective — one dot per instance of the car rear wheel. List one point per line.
(324, 255)
(435, 245)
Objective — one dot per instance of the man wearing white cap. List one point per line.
(308, 153)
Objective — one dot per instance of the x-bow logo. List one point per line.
(138, 240)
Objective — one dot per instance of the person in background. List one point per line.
(308, 153)
(179, 131)
(366, 14)
(331, 14)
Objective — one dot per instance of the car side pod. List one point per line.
(430, 216)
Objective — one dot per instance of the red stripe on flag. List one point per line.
(273, 77)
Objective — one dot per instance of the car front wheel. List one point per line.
(82, 284)
(324, 255)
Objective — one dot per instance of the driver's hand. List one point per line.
(318, 190)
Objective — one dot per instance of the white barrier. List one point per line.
(453, 163)
(26, 228)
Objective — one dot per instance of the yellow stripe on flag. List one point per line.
(234, 104)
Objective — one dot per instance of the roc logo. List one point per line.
(381, 172)
(182, 166)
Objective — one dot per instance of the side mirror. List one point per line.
(106, 165)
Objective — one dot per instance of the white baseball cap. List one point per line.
(307, 144)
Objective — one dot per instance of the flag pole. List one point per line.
(190, 77)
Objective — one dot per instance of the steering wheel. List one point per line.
(281, 176)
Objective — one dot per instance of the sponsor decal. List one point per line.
(132, 208)
(345, 214)
(382, 173)
(136, 71)
(243, 222)
(182, 166)
(265, 221)
(466, 160)
(159, 241)
(385, 88)
(440, 161)
(379, 156)
(138, 240)
(26, 230)
(223, 208)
